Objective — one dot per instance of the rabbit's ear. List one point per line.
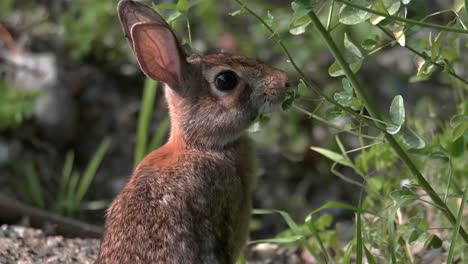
(153, 42)
(158, 53)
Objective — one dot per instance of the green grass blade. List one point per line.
(34, 186)
(370, 258)
(66, 173)
(90, 171)
(358, 239)
(158, 137)
(279, 240)
(149, 95)
(69, 206)
(457, 225)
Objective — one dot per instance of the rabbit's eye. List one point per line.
(226, 80)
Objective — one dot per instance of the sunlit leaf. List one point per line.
(298, 30)
(270, 20)
(458, 120)
(182, 6)
(334, 156)
(351, 47)
(352, 16)
(385, 6)
(302, 89)
(399, 34)
(335, 69)
(397, 110)
(411, 139)
(459, 131)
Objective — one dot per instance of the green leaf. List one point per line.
(402, 194)
(259, 123)
(278, 240)
(172, 6)
(335, 69)
(437, 44)
(334, 112)
(385, 6)
(433, 242)
(459, 131)
(298, 30)
(334, 156)
(345, 97)
(182, 6)
(270, 20)
(300, 20)
(351, 47)
(289, 100)
(334, 205)
(411, 139)
(457, 120)
(34, 185)
(302, 88)
(174, 16)
(397, 110)
(456, 147)
(369, 44)
(370, 258)
(239, 12)
(376, 183)
(397, 115)
(352, 16)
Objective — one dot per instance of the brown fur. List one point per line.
(190, 200)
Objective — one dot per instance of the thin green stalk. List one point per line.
(374, 114)
(425, 57)
(307, 81)
(90, 171)
(330, 14)
(457, 225)
(406, 20)
(330, 124)
(149, 95)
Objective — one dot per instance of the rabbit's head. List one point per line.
(212, 99)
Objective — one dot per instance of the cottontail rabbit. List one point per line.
(190, 200)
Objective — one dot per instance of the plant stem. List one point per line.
(422, 55)
(310, 84)
(406, 20)
(144, 118)
(373, 113)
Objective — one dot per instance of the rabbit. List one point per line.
(190, 200)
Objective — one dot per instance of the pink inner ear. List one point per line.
(158, 53)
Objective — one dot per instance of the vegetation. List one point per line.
(406, 151)
(404, 179)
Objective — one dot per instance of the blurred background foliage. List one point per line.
(76, 115)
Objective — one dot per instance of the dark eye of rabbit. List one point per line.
(226, 80)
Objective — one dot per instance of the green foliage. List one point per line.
(74, 186)
(84, 35)
(405, 170)
(29, 186)
(15, 106)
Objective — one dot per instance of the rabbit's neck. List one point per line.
(189, 128)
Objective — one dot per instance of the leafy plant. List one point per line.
(15, 106)
(393, 161)
(74, 186)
